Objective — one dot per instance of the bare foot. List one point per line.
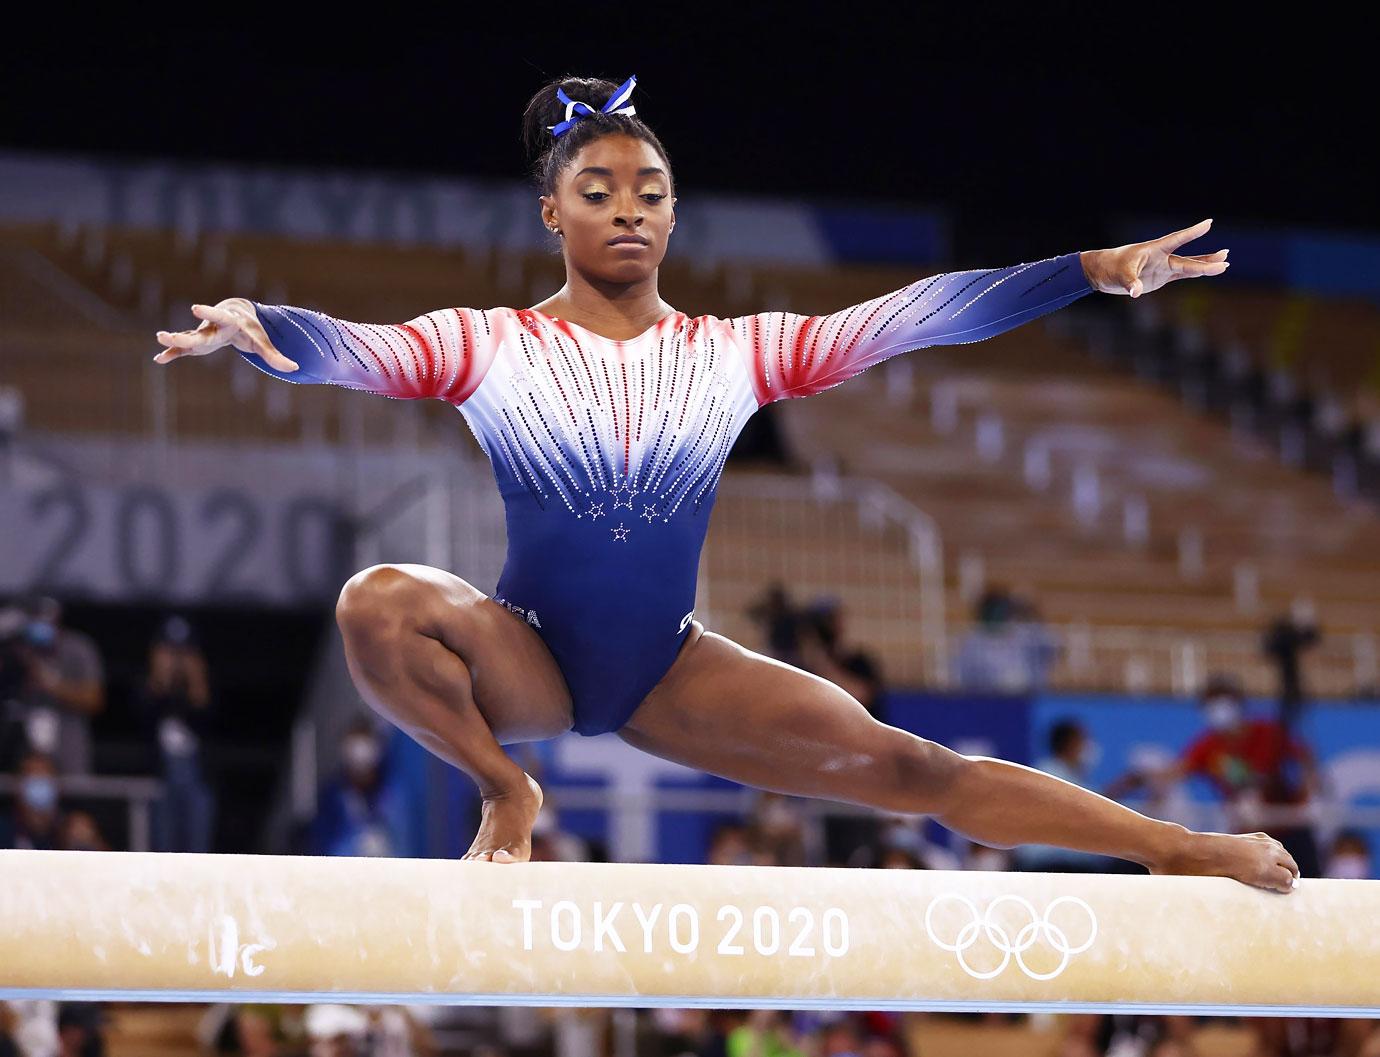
(1252, 858)
(505, 830)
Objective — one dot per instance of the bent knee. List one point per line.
(381, 600)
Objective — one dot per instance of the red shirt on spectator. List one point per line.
(1249, 757)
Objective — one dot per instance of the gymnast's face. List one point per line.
(617, 185)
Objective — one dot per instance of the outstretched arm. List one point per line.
(442, 354)
(793, 355)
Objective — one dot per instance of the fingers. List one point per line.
(1176, 239)
(1190, 267)
(273, 357)
(1220, 255)
(1279, 879)
(216, 315)
(184, 343)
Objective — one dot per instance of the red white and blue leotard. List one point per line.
(608, 453)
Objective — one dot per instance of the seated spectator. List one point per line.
(32, 1026)
(730, 846)
(550, 843)
(901, 845)
(63, 687)
(779, 620)
(80, 833)
(335, 1031)
(1350, 857)
(37, 818)
(766, 1033)
(174, 702)
(777, 830)
(1071, 756)
(81, 1030)
(363, 811)
(825, 651)
(1009, 651)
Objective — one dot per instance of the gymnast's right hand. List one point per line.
(232, 322)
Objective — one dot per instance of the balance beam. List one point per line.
(169, 927)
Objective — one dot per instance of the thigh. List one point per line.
(516, 684)
(730, 711)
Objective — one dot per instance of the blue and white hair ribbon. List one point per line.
(576, 108)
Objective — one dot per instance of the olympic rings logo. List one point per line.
(1039, 927)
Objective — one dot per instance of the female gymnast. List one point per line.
(607, 415)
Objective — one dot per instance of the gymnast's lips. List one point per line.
(637, 240)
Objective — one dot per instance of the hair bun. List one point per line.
(545, 110)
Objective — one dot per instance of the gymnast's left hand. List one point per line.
(1140, 267)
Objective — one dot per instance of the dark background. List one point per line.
(1034, 124)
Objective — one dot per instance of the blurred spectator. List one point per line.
(822, 649)
(81, 1028)
(256, 1030)
(766, 1033)
(32, 1026)
(7, 1023)
(1072, 755)
(761, 441)
(335, 1031)
(174, 702)
(777, 830)
(901, 845)
(550, 843)
(37, 818)
(1009, 650)
(775, 613)
(53, 682)
(394, 1031)
(730, 846)
(1255, 764)
(1285, 641)
(80, 833)
(824, 652)
(1349, 857)
(578, 1031)
(363, 811)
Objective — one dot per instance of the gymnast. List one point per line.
(607, 415)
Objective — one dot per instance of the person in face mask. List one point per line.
(1252, 761)
(65, 682)
(37, 821)
(364, 811)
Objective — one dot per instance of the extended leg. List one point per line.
(461, 675)
(747, 717)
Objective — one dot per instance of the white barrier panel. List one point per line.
(166, 927)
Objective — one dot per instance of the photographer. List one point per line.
(175, 702)
(51, 682)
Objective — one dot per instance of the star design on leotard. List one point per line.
(519, 377)
(620, 533)
(649, 512)
(596, 510)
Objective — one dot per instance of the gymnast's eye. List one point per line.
(654, 197)
(589, 196)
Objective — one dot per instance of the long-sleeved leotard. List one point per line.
(608, 453)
